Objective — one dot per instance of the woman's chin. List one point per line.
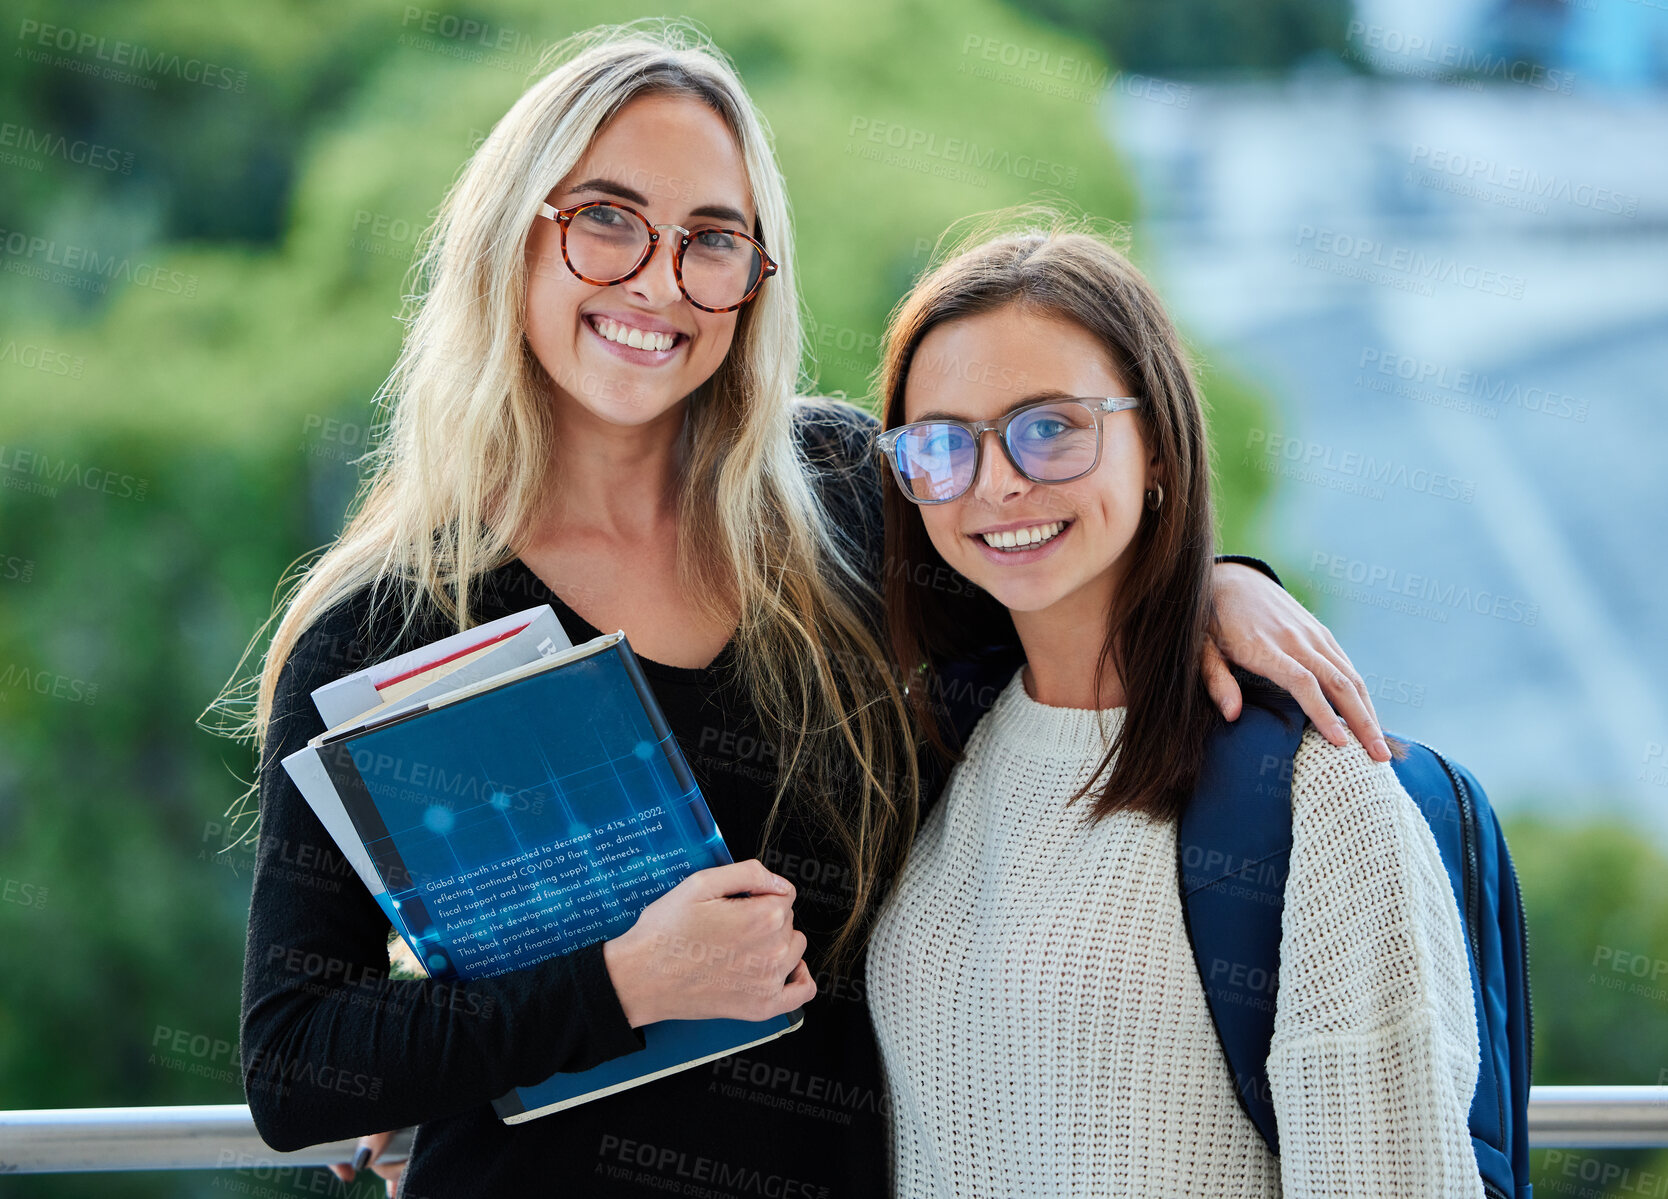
(1019, 595)
(622, 402)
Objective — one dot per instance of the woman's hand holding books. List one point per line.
(718, 945)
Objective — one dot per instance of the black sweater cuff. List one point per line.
(608, 1031)
(1254, 563)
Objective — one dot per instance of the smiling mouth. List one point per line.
(1024, 539)
(628, 335)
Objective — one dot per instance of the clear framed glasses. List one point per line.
(1048, 441)
(717, 269)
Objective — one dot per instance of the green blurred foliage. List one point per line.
(1186, 38)
(1597, 901)
(1596, 897)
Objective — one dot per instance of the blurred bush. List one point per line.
(1596, 897)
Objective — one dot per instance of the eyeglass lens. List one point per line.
(719, 268)
(1050, 443)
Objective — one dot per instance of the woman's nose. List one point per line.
(657, 282)
(996, 480)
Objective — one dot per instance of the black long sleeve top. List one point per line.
(335, 1048)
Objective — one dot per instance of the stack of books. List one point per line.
(508, 797)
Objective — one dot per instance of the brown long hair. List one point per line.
(1156, 628)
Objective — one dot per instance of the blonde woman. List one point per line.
(595, 409)
(1032, 982)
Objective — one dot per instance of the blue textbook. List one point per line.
(523, 816)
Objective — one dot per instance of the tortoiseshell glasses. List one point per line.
(717, 269)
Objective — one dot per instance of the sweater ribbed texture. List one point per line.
(1045, 1031)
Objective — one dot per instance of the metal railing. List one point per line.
(223, 1136)
(1598, 1117)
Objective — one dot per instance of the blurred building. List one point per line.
(1451, 276)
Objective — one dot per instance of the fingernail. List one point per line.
(1381, 751)
(360, 1158)
(1340, 731)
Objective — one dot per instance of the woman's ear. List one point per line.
(1154, 488)
(1155, 474)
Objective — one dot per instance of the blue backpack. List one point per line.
(1233, 851)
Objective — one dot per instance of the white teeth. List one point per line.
(1019, 538)
(642, 339)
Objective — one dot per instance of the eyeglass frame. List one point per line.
(564, 217)
(1099, 407)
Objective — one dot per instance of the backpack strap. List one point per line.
(1233, 851)
(1233, 844)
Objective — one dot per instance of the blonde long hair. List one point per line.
(457, 478)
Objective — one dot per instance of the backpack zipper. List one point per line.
(1528, 995)
(1468, 830)
(1468, 826)
(1522, 917)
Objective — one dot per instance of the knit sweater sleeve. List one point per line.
(1374, 1056)
(331, 1046)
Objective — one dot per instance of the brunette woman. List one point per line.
(1037, 1001)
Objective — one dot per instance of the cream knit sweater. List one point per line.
(1042, 1021)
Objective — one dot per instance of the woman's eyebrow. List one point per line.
(720, 212)
(1052, 393)
(609, 187)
